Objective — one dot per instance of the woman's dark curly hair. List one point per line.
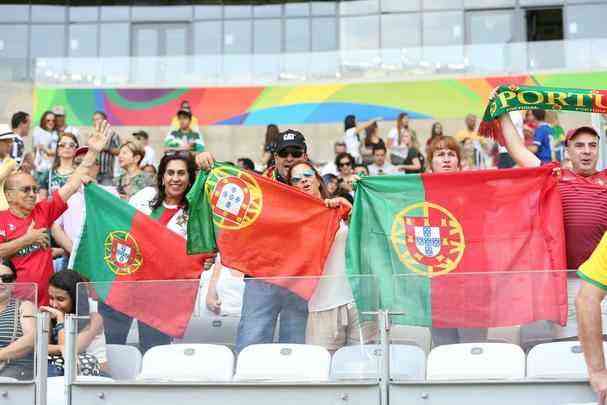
(162, 167)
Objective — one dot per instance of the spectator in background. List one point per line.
(558, 135)
(345, 165)
(361, 170)
(27, 164)
(330, 167)
(150, 169)
(542, 137)
(269, 146)
(435, 132)
(405, 156)
(470, 131)
(132, 179)
(61, 122)
(193, 126)
(45, 142)
(352, 135)
(63, 164)
(246, 164)
(331, 184)
(20, 123)
(150, 156)
(184, 138)
(372, 139)
(107, 157)
(399, 140)
(380, 167)
(7, 163)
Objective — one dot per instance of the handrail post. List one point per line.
(41, 355)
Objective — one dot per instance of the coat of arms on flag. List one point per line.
(122, 253)
(428, 239)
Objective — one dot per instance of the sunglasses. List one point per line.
(7, 278)
(26, 189)
(67, 144)
(342, 164)
(296, 153)
(181, 153)
(305, 175)
(49, 120)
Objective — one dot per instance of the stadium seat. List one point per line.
(407, 362)
(55, 387)
(284, 362)
(189, 362)
(557, 360)
(477, 361)
(124, 361)
(211, 329)
(411, 335)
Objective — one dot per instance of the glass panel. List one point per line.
(223, 317)
(268, 10)
(13, 13)
(268, 36)
(443, 4)
(297, 9)
(48, 13)
(237, 11)
(358, 7)
(83, 40)
(47, 41)
(147, 42)
(491, 27)
(324, 34)
(207, 37)
(444, 28)
(297, 35)
(207, 12)
(237, 36)
(489, 3)
(176, 40)
(173, 13)
(400, 30)
(586, 21)
(115, 13)
(400, 5)
(13, 41)
(539, 2)
(360, 32)
(84, 13)
(323, 7)
(115, 40)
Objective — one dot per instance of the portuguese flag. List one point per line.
(122, 250)
(469, 249)
(261, 227)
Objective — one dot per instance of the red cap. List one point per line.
(572, 133)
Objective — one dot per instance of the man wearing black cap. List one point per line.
(150, 155)
(184, 138)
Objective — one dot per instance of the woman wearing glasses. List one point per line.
(332, 316)
(45, 140)
(166, 204)
(17, 329)
(63, 164)
(133, 178)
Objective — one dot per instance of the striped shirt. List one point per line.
(585, 213)
(7, 320)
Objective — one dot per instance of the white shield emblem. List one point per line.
(123, 254)
(231, 199)
(427, 240)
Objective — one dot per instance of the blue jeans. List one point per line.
(261, 305)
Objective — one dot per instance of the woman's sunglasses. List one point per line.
(67, 145)
(305, 175)
(180, 153)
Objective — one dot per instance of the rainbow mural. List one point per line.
(300, 104)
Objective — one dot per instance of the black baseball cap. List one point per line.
(290, 137)
(183, 112)
(141, 134)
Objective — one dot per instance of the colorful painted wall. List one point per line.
(301, 104)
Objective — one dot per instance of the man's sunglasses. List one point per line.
(7, 278)
(296, 153)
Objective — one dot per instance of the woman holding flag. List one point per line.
(333, 320)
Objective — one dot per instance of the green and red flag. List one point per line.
(261, 227)
(123, 251)
(468, 249)
(513, 97)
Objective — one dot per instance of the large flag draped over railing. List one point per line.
(469, 249)
(512, 98)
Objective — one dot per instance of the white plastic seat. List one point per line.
(284, 362)
(407, 362)
(55, 387)
(476, 361)
(211, 329)
(189, 362)
(411, 335)
(557, 360)
(124, 361)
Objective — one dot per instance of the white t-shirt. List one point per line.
(352, 143)
(396, 149)
(387, 168)
(329, 168)
(149, 158)
(333, 290)
(49, 141)
(230, 290)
